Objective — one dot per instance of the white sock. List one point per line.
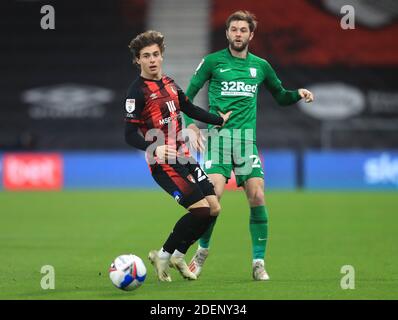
(162, 254)
(258, 260)
(178, 254)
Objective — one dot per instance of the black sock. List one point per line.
(200, 222)
(188, 229)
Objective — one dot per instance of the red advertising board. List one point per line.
(32, 171)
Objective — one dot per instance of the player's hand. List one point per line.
(225, 116)
(306, 94)
(198, 143)
(165, 152)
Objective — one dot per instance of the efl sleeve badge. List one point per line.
(130, 105)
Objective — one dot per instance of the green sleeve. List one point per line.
(201, 75)
(274, 85)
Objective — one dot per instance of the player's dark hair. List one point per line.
(243, 15)
(146, 39)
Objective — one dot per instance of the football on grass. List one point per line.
(127, 272)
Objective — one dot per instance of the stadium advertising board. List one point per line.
(356, 170)
(32, 171)
(106, 170)
(351, 170)
(129, 170)
(279, 169)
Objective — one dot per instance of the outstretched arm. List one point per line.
(198, 113)
(281, 95)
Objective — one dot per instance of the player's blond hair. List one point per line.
(243, 15)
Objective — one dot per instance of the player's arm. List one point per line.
(281, 95)
(136, 140)
(199, 78)
(134, 105)
(133, 138)
(198, 113)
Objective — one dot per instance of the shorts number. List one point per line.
(256, 161)
(200, 175)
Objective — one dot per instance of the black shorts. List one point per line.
(186, 183)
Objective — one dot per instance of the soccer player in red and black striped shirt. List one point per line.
(153, 106)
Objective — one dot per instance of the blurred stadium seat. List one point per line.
(62, 82)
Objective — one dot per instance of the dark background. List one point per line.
(88, 52)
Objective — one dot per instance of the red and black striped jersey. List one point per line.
(155, 104)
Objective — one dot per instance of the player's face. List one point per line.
(150, 61)
(239, 35)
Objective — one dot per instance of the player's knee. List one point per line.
(201, 219)
(201, 213)
(257, 198)
(218, 192)
(215, 209)
(200, 204)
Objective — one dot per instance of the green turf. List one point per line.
(312, 235)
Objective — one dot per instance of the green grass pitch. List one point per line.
(312, 235)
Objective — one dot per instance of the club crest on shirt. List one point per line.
(191, 178)
(253, 72)
(130, 105)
